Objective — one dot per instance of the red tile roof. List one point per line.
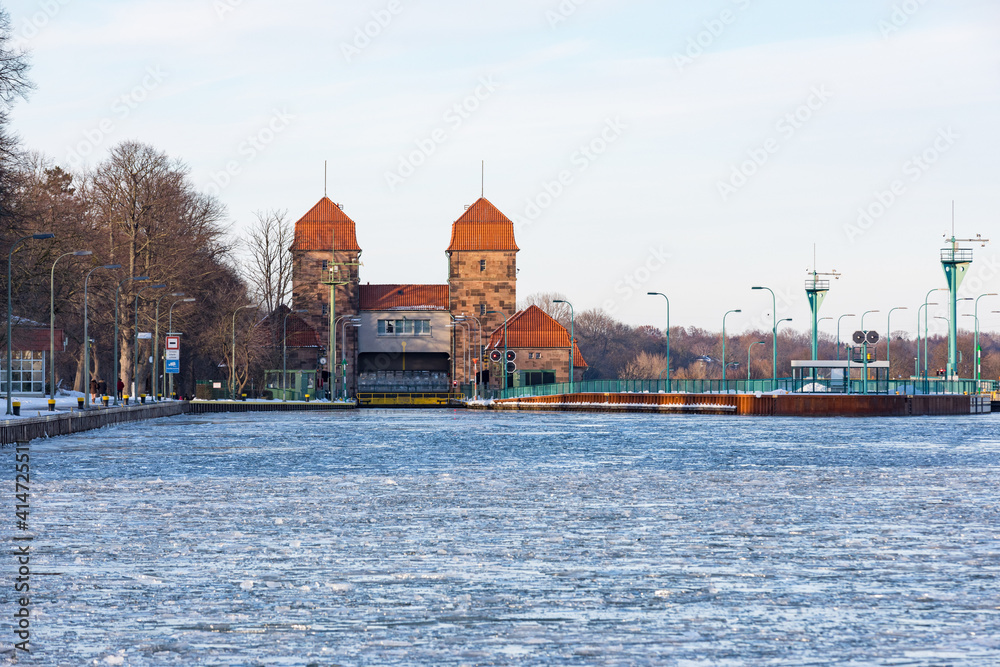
(323, 225)
(300, 334)
(404, 297)
(482, 227)
(534, 328)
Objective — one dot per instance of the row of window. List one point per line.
(27, 373)
(404, 327)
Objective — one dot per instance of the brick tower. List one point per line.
(482, 273)
(326, 250)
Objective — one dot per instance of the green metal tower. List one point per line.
(955, 261)
(816, 290)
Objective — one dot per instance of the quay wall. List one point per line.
(22, 430)
(781, 405)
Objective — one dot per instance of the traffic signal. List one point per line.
(511, 367)
(511, 355)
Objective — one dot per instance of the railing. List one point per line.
(805, 385)
(817, 285)
(956, 255)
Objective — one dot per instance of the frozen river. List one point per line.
(452, 538)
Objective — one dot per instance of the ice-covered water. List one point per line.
(453, 538)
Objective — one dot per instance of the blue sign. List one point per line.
(173, 366)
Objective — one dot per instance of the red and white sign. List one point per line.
(173, 342)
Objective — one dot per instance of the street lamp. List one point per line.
(787, 319)
(923, 307)
(86, 340)
(863, 318)
(572, 317)
(926, 334)
(888, 332)
(356, 323)
(135, 343)
(838, 331)
(232, 361)
(759, 342)
(774, 336)
(668, 333)
(284, 352)
(976, 348)
(156, 344)
(10, 307)
(52, 318)
(170, 330)
(725, 381)
(117, 292)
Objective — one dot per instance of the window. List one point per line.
(325, 264)
(325, 309)
(404, 327)
(531, 355)
(27, 373)
(538, 355)
(482, 309)
(482, 265)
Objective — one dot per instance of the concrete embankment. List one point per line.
(22, 430)
(201, 407)
(781, 405)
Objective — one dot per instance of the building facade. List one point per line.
(403, 338)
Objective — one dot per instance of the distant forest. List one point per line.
(614, 350)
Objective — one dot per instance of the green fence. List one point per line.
(909, 387)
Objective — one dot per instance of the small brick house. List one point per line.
(541, 350)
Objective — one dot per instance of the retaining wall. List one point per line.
(21, 430)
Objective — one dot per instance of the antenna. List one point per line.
(482, 192)
(324, 178)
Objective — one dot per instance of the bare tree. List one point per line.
(269, 273)
(547, 302)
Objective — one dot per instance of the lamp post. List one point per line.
(759, 342)
(923, 307)
(976, 347)
(838, 331)
(479, 353)
(117, 293)
(725, 381)
(10, 332)
(156, 343)
(170, 331)
(86, 340)
(774, 336)
(863, 318)
(355, 322)
(926, 335)
(572, 318)
(52, 318)
(888, 332)
(232, 369)
(135, 343)
(668, 333)
(284, 351)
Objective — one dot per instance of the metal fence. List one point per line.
(907, 387)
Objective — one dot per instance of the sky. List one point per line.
(691, 148)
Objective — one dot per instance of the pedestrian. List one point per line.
(121, 387)
(93, 389)
(102, 387)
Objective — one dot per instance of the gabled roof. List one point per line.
(404, 297)
(298, 332)
(482, 227)
(324, 225)
(534, 328)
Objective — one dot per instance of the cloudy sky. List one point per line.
(692, 148)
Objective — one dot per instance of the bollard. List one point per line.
(125, 399)
(79, 403)
(17, 408)
(159, 397)
(142, 399)
(244, 398)
(52, 405)
(307, 398)
(105, 399)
